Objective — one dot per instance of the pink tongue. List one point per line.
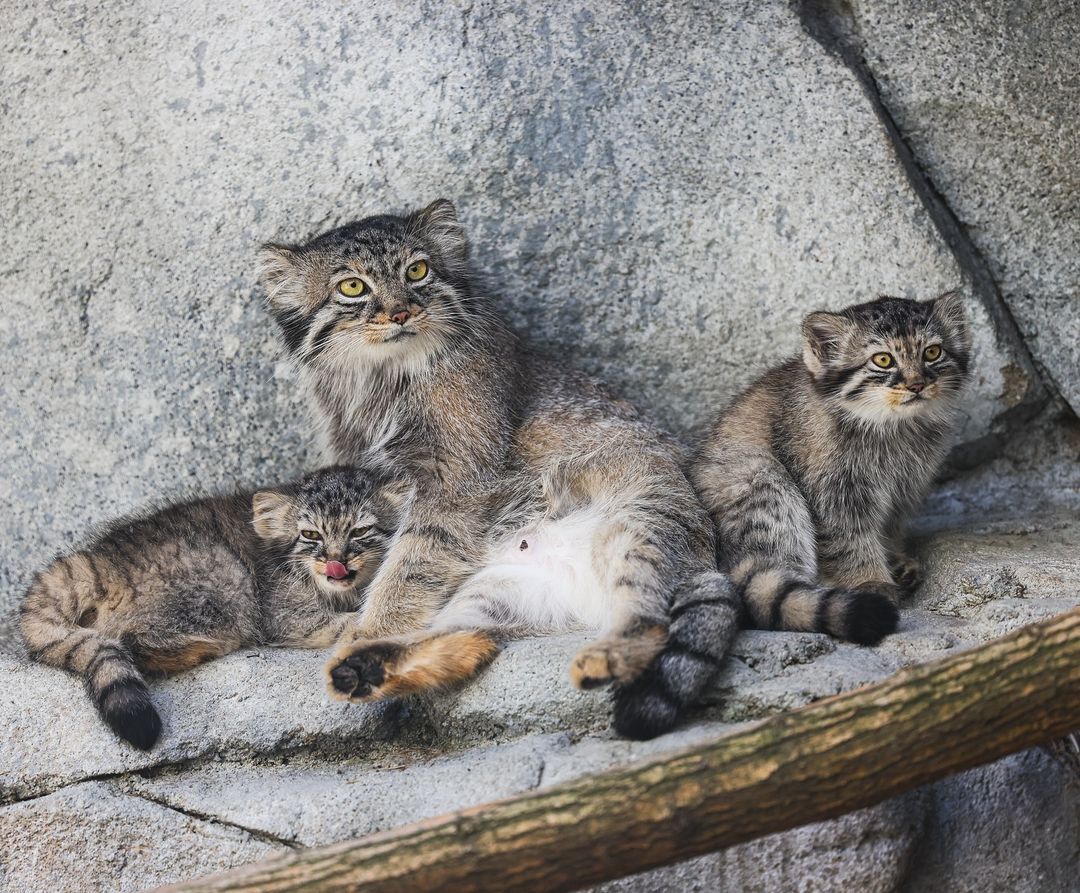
(337, 570)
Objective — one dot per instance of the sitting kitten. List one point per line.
(812, 473)
(543, 502)
(164, 592)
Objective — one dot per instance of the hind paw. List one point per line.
(370, 670)
(907, 572)
(620, 659)
(363, 674)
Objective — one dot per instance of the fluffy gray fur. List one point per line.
(813, 472)
(410, 365)
(164, 591)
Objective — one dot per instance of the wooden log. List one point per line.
(829, 758)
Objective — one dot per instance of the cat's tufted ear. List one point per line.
(439, 224)
(278, 269)
(823, 336)
(272, 515)
(950, 315)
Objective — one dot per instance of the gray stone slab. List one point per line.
(248, 703)
(253, 745)
(89, 837)
(982, 583)
(319, 803)
(658, 192)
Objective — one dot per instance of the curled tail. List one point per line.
(704, 618)
(55, 618)
(777, 599)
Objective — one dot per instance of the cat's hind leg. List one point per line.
(387, 668)
(463, 639)
(768, 544)
(633, 571)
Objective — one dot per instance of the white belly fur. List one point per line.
(550, 584)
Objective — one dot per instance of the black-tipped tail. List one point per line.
(119, 692)
(703, 622)
(868, 617)
(863, 614)
(126, 706)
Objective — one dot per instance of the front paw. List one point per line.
(907, 573)
(359, 675)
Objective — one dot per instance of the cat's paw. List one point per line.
(361, 675)
(620, 659)
(907, 573)
(371, 670)
(871, 613)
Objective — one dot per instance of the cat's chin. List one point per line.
(337, 587)
(890, 412)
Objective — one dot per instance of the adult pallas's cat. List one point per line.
(544, 503)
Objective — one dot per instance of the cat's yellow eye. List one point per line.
(358, 533)
(883, 360)
(417, 271)
(932, 353)
(311, 535)
(352, 288)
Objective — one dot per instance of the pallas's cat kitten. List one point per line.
(812, 473)
(163, 592)
(543, 504)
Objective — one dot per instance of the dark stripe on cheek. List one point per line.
(294, 328)
(321, 339)
(833, 380)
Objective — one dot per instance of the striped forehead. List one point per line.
(375, 245)
(891, 318)
(335, 496)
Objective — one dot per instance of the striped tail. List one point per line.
(704, 618)
(49, 620)
(775, 599)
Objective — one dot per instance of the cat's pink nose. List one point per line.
(916, 386)
(336, 570)
(401, 317)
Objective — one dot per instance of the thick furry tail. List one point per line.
(50, 622)
(776, 599)
(704, 618)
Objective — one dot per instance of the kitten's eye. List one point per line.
(364, 533)
(352, 288)
(883, 360)
(932, 353)
(417, 271)
(311, 535)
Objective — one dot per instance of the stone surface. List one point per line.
(868, 851)
(1016, 822)
(272, 702)
(89, 837)
(985, 95)
(256, 758)
(658, 192)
